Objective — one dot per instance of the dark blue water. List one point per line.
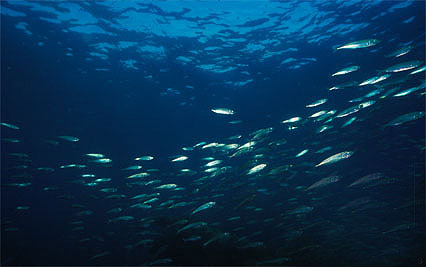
(137, 78)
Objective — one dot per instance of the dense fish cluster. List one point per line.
(295, 185)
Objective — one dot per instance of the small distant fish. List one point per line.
(354, 109)
(348, 122)
(224, 111)
(235, 122)
(375, 79)
(192, 238)
(300, 210)
(69, 138)
(88, 175)
(145, 158)
(404, 66)
(418, 70)
(317, 114)
(303, 152)
(406, 118)
(10, 140)
(72, 166)
(131, 168)
(335, 158)
(11, 126)
(213, 163)
(344, 85)
(317, 103)
(323, 182)
(346, 70)
(166, 186)
(181, 158)
(122, 218)
(324, 128)
(322, 150)
(359, 44)
(100, 255)
(109, 190)
(141, 206)
(204, 206)
(95, 155)
(102, 160)
(99, 180)
(139, 175)
(115, 210)
(256, 169)
(367, 179)
(294, 119)
(400, 52)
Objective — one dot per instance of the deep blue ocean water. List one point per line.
(134, 78)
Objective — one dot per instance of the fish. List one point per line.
(166, 186)
(374, 92)
(317, 114)
(122, 218)
(69, 138)
(406, 118)
(109, 190)
(192, 225)
(72, 166)
(99, 180)
(151, 200)
(10, 140)
(256, 169)
(389, 92)
(346, 70)
(294, 119)
(102, 160)
(317, 103)
(223, 111)
(213, 163)
(300, 210)
(204, 206)
(375, 79)
(359, 44)
(132, 168)
(324, 128)
(87, 175)
(344, 85)
(145, 158)
(301, 153)
(181, 158)
(214, 144)
(140, 206)
(355, 109)
(335, 158)
(418, 70)
(11, 126)
(367, 179)
(404, 66)
(348, 122)
(95, 155)
(139, 175)
(407, 91)
(322, 150)
(323, 182)
(400, 52)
